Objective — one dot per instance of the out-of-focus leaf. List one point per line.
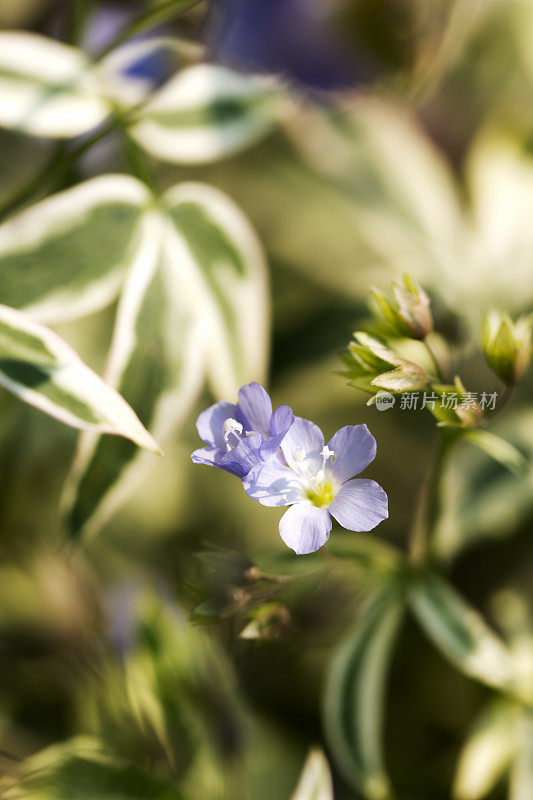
(156, 362)
(67, 255)
(460, 632)
(207, 112)
(355, 690)
(81, 769)
(487, 753)
(222, 263)
(41, 369)
(499, 449)
(522, 772)
(47, 87)
(315, 781)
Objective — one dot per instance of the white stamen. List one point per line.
(319, 477)
(326, 452)
(231, 426)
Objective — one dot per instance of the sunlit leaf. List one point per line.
(47, 88)
(355, 692)
(487, 753)
(81, 769)
(67, 255)
(522, 772)
(206, 112)
(315, 781)
(40, 368)
(156, 362)
(460, 632)
(499, 449)
(222, 262)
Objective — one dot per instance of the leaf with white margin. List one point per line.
(207, 112)
(315, 780)
(461, 633)
(224, 266)
(522, 772)
(355, 689)
(67, 255)
(488, 751)
(157, 363)
(47, 88)
(40, 368)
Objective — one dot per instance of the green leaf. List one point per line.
(81, 769)
(499, 449)
(67, 255)
(47, 88)
(207, 112)
(488, 751)
(460, 632)
(355, 691)
(156, 362)
(223, 264)
(522, 772)
(315, 781)
(41, 369)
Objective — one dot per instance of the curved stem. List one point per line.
(434, 359)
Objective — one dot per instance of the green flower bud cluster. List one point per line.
(507, 345)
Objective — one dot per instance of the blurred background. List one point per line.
(409, 146)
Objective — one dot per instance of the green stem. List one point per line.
(434, 359)
(136, 161)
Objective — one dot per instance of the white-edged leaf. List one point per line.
(355, 690)
(222, 261)
(315, 780)
(499, 449)
(157, 362)
(207, 112)
(487, 753)
(47, 88)
(460, 632)
(67, 255)
(522, 771)
(40, 368)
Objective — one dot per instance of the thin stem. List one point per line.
(136, 161)
(503, 402)
(434, 359)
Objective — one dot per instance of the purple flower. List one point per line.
(315, 480)
(242, 435)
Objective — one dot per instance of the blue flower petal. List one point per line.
(213, 457)
(243, 457)
(256, 406)
(360, 505)
(210, 423)
(355, 449)
(273, 484)
(303, 437)
(305, 527)
(282, 419)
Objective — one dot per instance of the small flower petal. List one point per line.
(360, 505)
(273, 484)
(210, 423)
(256, 406)
(355, 449)
(282, 419)
(303, 437)
(213, 457)
(305, 528)
(243, 457)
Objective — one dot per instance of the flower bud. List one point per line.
(507, 345)
(408, 313)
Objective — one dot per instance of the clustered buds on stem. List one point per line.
(507, 345)
(407, 313)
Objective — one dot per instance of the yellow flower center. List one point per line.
(321, 495)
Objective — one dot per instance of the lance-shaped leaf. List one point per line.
(522, 772)
(207, 112)
(156, 362)
(47, 87)
(355, 692)
(41, 369)
(226, 274)
(81, 769)
(315, 781)
(460, 632)
(488, 751)
(499, 449)
(67, 255)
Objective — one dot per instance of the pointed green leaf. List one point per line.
(355, 692)
(207, 112)
(499, 449)
(40, 368)
(223, 264)
(47, 87)
(157, 362)
(67, 255)
(460, 632)
(315, 781)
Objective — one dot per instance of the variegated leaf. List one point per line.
(47, 87)
(67, 255)
(315, 781)
(224, 267)
(207, 112)
(41, 369)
